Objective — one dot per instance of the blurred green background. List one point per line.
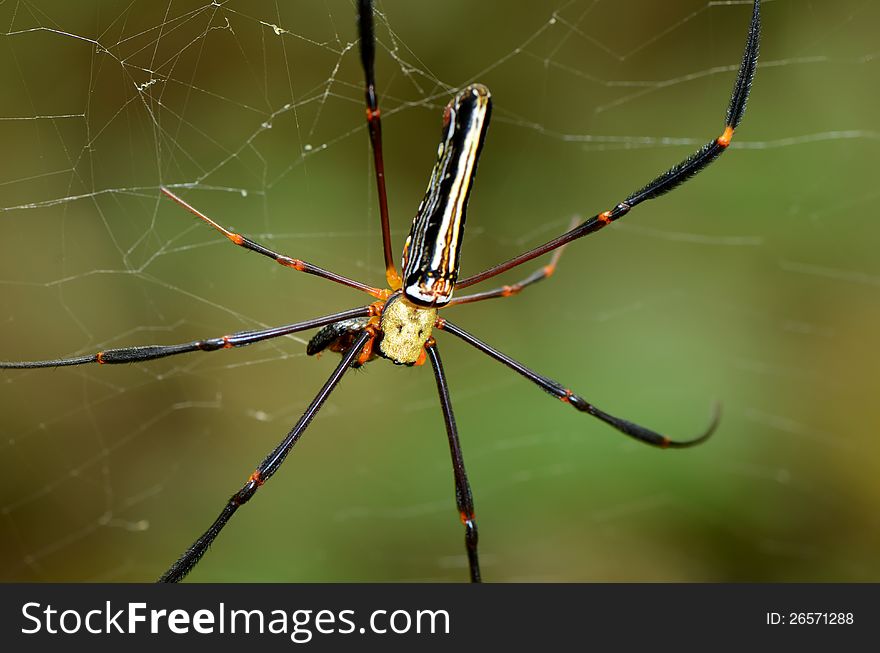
(756, 284)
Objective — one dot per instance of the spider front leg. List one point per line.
(263, 473)
(565, 395)
(464, 500)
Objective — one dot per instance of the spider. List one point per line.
(399, 324)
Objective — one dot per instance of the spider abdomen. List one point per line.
(432, 251)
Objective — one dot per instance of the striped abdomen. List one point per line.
(433, 249)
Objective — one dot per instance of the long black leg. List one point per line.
(374, 124)
(263, 473)
(151, 352)
(281, 259)
(562, 393)
(464, 499)
(676, 175)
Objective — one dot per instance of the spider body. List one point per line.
(432, 252)
(400, 322)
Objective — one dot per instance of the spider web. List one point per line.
(756, 284)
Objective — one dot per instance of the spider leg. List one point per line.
(374, 124)
(281, 259)
(464, 500)
(562, 393)
(676, 175)
(514, 289)
(151, 352)
(263, 473)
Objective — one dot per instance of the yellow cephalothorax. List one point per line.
(405, 329)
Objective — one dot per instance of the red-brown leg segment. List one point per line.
(514, 289)
(367, 351)
(281, 259)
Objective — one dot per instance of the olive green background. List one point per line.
(757, 285)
